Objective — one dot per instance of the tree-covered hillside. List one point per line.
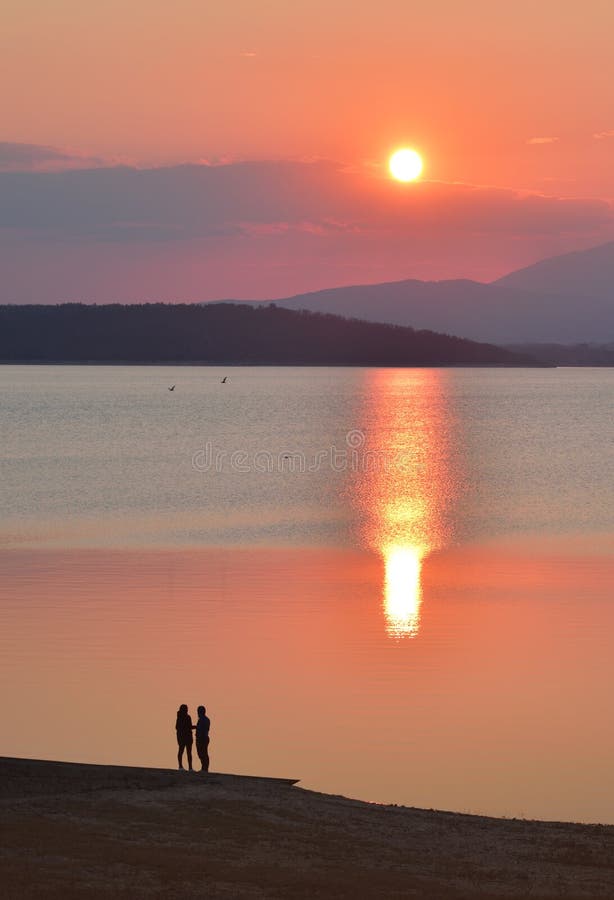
(226, 333)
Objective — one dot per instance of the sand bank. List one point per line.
(79, 831)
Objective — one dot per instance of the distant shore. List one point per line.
(237, 364)
(72, 830)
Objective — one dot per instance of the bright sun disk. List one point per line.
(405, 165)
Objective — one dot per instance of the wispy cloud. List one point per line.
(543, 140)
(323, 227)
(16, 157)
(196, 201)
(604, 135)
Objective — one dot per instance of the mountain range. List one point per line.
(565, 299)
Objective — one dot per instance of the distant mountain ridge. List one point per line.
(565, 299)
(587, 273)
(226, 333)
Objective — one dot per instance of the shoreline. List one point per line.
(82, 830)
(237, 364)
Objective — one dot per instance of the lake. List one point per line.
(391, 584)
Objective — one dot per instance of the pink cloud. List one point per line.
(543, 140)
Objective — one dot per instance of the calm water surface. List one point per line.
(394, 584)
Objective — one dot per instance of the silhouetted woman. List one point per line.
(183, 727)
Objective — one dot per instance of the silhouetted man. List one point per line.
(202, 738)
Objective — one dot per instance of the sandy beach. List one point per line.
(75, 830)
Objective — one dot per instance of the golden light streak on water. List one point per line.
(402, 590)
(404, 494)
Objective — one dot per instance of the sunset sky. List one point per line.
(244, 146)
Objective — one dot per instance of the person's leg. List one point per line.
(188, 750)
(180, 756)
(203, 755)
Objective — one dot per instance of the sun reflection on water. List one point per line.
(402, 589)
(405, 498)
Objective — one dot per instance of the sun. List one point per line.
(405, 165)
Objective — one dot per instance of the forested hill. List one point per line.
(229, 334)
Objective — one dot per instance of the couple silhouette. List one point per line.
(184, 728)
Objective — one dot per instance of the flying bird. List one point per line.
(224, 379)
(172, 388)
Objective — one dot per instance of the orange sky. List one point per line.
(469, 83)
(514, 96)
